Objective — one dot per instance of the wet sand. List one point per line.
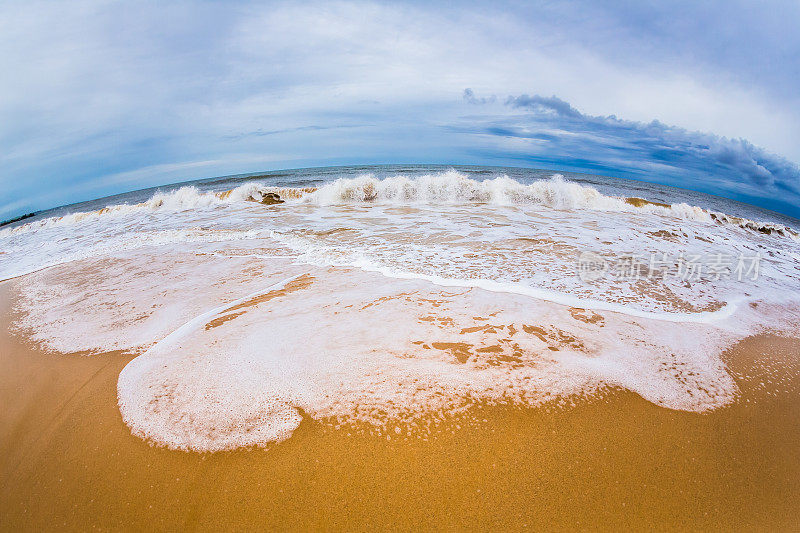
(67, 460)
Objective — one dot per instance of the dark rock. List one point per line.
(271, 198)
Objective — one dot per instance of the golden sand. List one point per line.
(237, 310)
(67, 460)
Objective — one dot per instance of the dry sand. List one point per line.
(67, 460)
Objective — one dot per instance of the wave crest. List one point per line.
(444, 188)
(452, 187)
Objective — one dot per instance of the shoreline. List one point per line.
(69, 461)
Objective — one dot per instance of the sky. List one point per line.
(103, 97)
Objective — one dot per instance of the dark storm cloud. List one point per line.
(567, 136)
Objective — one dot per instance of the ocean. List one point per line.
(383, 295)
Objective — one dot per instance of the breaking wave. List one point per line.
(444, 188)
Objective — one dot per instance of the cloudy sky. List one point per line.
(103, 97)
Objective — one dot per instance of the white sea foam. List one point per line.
(326, 351)
(52, 255)
(131, 300)
(416, 296)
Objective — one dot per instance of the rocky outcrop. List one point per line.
(266, 198)
(271, 198)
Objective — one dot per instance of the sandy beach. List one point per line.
(69, 462)
(400, 266)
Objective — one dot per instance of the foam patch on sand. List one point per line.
(325, 351)
(131, 300)
(239, 362)
(266, 342)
